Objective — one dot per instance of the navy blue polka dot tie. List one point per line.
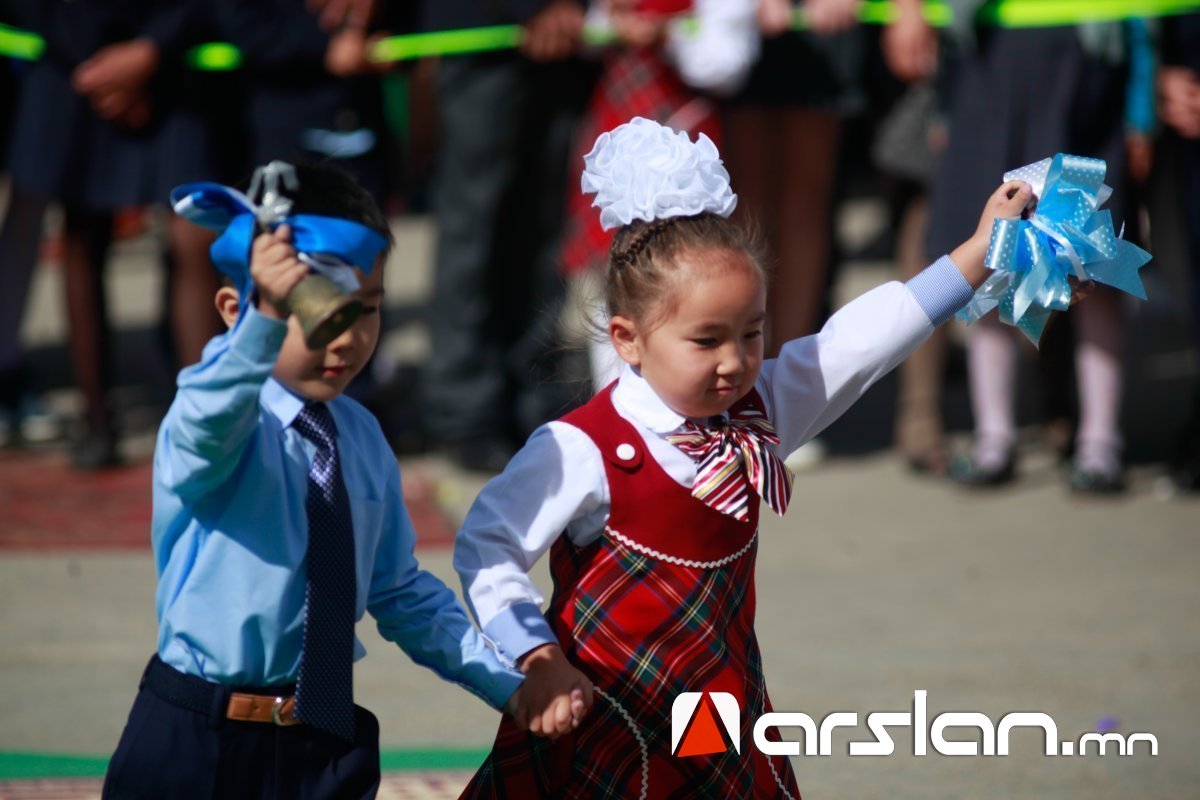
(325, 688)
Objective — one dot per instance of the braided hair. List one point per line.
(642, 268)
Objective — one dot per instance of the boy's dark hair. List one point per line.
(330, 192)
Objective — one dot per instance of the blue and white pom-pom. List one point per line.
(1066, 236)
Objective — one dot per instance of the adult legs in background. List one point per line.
(465, 386)
(784, 161)
(192, 282)
(530, 235)
(992, 373)
(919, 430)
(87, 236)
(1099, 329)
(1186, 467)
(501, 172)
(20, 236)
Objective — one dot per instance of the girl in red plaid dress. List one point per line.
(647, 498)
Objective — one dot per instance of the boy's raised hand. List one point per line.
(554, 697)
(275, 270)
(1007, 202)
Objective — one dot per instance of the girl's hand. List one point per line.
(774, 17)
(121, 67)
(910, 44)
(275, 270)
(555, 696)
(341, 14)
(831, 16)
(1010, 201)
(1139, 152)
(127, 109)
(1179, 100)
(346, 54)
(553, 33)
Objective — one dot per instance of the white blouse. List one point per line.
(556, 484)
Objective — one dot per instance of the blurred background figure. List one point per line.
(904, 150)
(676, 77)
(309, 95)
(1179, 107)
(24, 419)
(1021, 95)
(109, 118)
(782, 142)
(782, 136)
(506, 120)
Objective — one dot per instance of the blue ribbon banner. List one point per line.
(327, 244)
(1066, 236)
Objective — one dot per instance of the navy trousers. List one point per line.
(171, 751)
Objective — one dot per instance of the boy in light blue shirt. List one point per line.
(278, 520)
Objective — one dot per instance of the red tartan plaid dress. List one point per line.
(662, 603)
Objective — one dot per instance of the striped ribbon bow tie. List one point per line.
(733, 456)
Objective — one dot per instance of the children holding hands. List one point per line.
(646, 498)
(278, 517)
(277, 522)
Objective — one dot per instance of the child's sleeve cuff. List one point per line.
(940, 290)
(518, 629)
(258, 337)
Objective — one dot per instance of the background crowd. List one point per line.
(116, 112)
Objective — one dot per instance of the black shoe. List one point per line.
(1096, 481)
(966, 471)
(1186, 475)
(481, 455)
(95, 451)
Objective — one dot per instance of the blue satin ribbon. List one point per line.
(232, 214)
(1067, 236)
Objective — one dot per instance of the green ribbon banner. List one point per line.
(222, 57)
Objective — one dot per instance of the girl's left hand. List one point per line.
(1179, 100)
(121, 67)
(774, 17)
(337, 15)
(1139, 152)
(831, 16)
(130, 110)
(910, 45)
(346, 54)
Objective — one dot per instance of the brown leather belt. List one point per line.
(274, 706)
(262, 708)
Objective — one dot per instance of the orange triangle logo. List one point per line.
(703, 736)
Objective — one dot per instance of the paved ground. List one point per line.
(875, 585)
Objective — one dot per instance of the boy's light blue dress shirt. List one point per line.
(230, 531)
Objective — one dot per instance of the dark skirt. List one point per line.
(1024, 96)
(62, 150)
(802, 69)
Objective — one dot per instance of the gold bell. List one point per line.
(323, 310)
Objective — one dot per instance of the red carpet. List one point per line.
(46, 505)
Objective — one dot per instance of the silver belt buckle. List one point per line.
(276, 707)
